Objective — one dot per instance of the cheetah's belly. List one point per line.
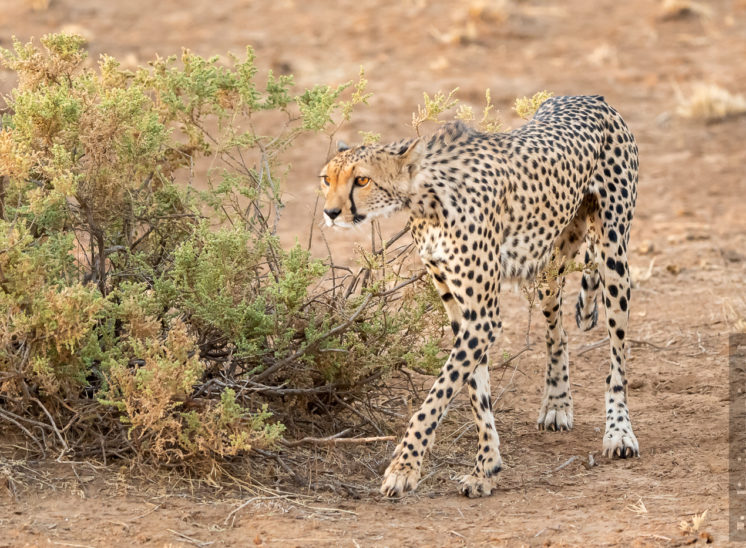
(522, 258)
(518, 264)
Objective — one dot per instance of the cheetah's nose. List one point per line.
(332, 213)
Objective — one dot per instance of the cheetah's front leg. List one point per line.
(471, 345)
(488, 462)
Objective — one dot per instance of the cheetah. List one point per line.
(487, 208)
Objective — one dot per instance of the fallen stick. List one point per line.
(332, 440)
(568, 462)
(583, 349)
(194, 541)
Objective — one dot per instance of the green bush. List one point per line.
(141, 316)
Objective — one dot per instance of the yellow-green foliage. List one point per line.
(227, 429)
(47, 317)
(434, 107)
(148, 394)
(489, 122)
(526, 107)
(151, 306)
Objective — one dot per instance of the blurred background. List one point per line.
(673, 68)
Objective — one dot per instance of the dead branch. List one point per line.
(336, 439)
(23, 428)
(279, 365)
(587, 348)
(53, 424)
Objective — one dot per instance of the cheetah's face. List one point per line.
(367, 181)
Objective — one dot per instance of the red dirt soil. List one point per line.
(688, 256)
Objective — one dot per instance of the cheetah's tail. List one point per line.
(586, 309)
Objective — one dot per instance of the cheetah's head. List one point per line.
(368, 181)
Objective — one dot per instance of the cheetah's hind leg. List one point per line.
(556, 412)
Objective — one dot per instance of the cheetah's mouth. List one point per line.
(357, 220)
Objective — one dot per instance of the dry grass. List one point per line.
(696, 523)
(710, 103)
(694, 531)
(638, 508)
(38, 5)
(491, 11)
(674, 9)
(471, 18)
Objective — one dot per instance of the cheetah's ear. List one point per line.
(342, 146)
(410, 156)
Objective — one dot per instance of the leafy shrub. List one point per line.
(141, 316)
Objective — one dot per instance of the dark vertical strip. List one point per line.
(737, 437)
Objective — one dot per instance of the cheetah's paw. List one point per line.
(556, 416)
(476, 485)
(621, 443)
(398, 479)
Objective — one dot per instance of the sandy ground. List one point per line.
(688, 257)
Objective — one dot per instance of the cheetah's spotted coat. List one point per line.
(487, 207)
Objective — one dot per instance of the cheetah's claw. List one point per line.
(622, 445)
(555, 419)
(399, 479)
(476, 485)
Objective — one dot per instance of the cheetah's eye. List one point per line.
(362, 181)
(326, 179)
